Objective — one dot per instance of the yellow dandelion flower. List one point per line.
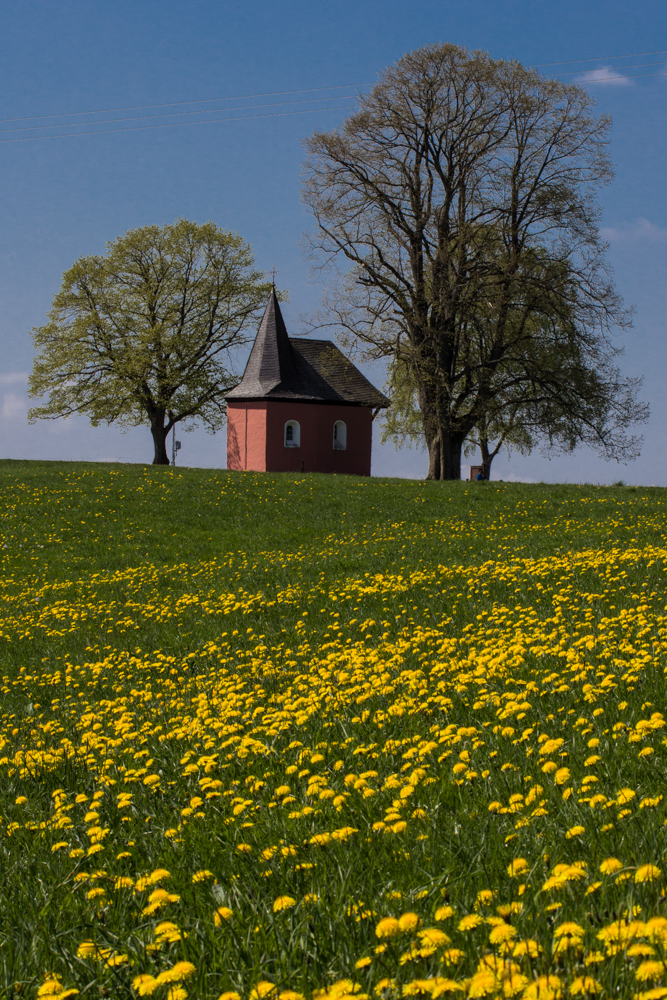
(470, 922)
(169, 932)
(513, 983)
(263, 989)
(408, 922)
(444, 913)
(575, 831)
(518, 867)
(656, 927)
(528, 947)
(157, 899)
(283, 903)
(159, 875)
(640, 951)
(610, 866)
(145, 984)
(502, 932)
(177, 993)
(485, 896)
(543, 988)
(202, 875)
(649, 970)
(443, 986)
(569, 929)
(177, 973)
(434, 936)
(647, 873)
(388, 927)
(482, 984)
(584, 985)
(646, 803)
(52, 989)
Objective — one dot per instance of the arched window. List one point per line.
(292, 434)
(340, 436)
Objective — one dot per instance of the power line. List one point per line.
(280, 114)
(178, 104)
(276, 93)
(628, 55)
(174, 114)
(140, 128)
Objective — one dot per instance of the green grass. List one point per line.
(399, 654)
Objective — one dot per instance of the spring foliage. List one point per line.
(145, 334)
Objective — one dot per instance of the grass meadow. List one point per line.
(307, 736)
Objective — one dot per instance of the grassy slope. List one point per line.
(196, 532)
(106, 516)
(68, 521)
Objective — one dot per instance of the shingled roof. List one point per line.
(298, 368)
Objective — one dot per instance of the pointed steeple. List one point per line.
(299, 369)
(270, 363)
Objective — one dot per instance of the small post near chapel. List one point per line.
(301, 406)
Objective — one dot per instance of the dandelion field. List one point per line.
(296, 736)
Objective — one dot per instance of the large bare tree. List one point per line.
(462, 198)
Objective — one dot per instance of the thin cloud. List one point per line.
(13, 378)
(13, 406)
(639, 231)
(606, 76)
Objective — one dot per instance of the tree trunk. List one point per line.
(487, 457)
(444, 446)
(444, 456)
(159, 433)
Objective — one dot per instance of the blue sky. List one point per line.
(62, 197)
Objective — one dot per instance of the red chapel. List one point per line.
(301, 406)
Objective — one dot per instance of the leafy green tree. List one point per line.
(511, 435)
(146, 333)
(554, 389)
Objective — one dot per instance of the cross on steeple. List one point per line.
(273, 275)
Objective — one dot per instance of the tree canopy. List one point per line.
(146, 333)
(461, 197)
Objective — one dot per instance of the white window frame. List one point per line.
(296, 434)
(340, 439)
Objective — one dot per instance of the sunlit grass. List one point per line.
(273, 735)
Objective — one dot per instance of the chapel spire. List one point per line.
(271, 363)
